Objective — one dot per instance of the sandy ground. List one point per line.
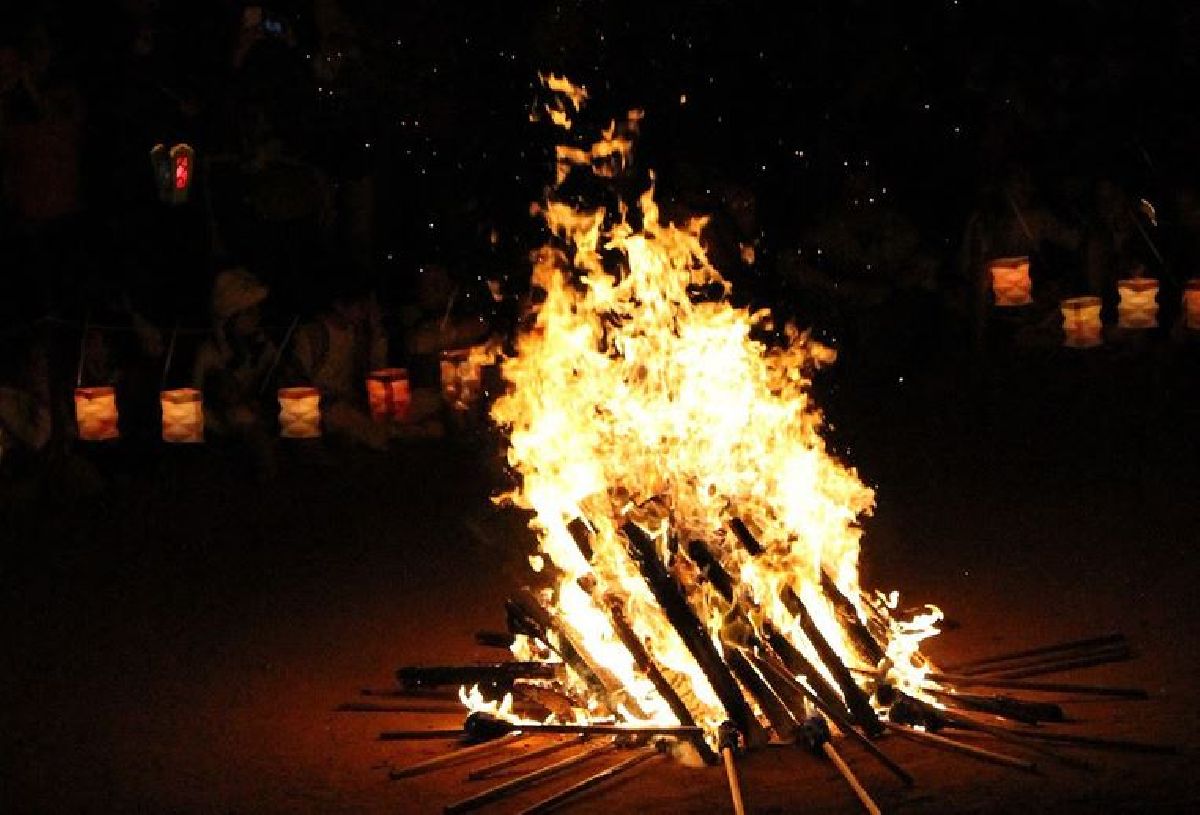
(179, 643)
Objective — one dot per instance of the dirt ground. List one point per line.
(178, 642)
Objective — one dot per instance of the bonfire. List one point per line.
(695, 588)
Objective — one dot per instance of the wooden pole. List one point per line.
(504, 764)
(943, 743)
(528, 780)
(1044, 687)
(560, 798)
(971, 666)
(728, 743)
(860, 792)
(454, 757)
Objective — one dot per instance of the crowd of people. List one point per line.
(266, 268)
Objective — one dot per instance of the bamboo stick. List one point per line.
(1041, 669)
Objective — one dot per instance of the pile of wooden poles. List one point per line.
(756, 670)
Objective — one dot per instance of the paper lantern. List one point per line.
(462, 375)
(1081, 322)
(299, 413)
(182, 416)
(96, 413)
(173, 171)
(1191, 304)
(388, 394)
(1139, 302)
(1011, 284)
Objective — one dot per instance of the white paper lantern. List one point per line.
(1139, 302)
(96, 413)
(1191, 304)
(1081, 322)
(1011, 284)
(182, 416)
(299, 413)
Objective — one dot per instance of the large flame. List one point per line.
(633, 397)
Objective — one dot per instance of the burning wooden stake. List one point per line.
(691, 631)
(728, 742)
(816, 736)
(857, 701)
(788, 682)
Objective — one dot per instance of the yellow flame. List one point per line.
(630, 397)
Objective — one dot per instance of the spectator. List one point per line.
(334, 353)
(233, 364)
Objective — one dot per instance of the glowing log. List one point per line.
(182, 416)
(1011, 284)
(1191, 304)
(96, 413)
(1139, 302)
(299, 413)
(388, 394)
(1081, 322)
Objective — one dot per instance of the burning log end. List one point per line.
(582, 536)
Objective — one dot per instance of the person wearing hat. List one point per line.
(232, 364)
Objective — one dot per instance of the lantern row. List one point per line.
(1137, 309)
(388, 396)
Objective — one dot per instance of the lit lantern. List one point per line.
(388, 394)
(1191, 304)
(173, 171)
(1081, 322)
(96, 413)
(299, 413)
(1011, 284)
(182, 416)
(1139, 302)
